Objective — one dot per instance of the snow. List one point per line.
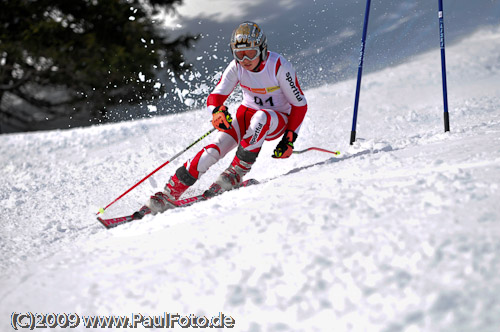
(401, 232)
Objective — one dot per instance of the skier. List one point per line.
(273, 105)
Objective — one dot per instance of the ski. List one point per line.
(113, 222)
(213, 191)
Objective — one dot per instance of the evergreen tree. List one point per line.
(61, 58)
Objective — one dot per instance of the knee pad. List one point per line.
(246, 156)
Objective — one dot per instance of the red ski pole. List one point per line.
(317, 149)
(101, 210)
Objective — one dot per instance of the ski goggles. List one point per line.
(246, 53)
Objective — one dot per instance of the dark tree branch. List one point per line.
(17, 84)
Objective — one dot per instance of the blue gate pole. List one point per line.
(443, 67)
(360, 71)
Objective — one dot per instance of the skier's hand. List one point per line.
(221, 119)
(284, 148)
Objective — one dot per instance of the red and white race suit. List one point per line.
(272, 102)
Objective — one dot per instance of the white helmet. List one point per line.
(249, 36)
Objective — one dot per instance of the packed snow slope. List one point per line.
(401, 232)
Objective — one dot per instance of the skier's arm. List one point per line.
(289, 84)
(224, 88)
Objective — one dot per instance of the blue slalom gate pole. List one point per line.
(443, 67)
(360, 71)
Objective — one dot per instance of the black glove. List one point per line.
(221, 119)
(284, 148)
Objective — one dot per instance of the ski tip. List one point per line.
(104, 223)
(250, 182)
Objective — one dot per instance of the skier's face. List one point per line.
(248, 58)
(249, 64)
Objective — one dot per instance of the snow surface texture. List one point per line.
(399, 233)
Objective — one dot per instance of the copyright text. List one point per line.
(29, 320)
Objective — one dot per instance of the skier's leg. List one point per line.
(186, 175)
(263, 125)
